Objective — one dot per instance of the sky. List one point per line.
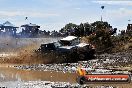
(55, 14)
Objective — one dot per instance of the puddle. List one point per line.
(12, 74)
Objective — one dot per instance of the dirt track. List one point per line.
(27, 75)
(118, 61)
(8, 75)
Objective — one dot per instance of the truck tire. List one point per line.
(129, 79)
(81, 56)
(81, 80)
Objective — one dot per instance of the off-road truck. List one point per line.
(69, 48)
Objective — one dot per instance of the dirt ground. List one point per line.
(23, 54)
(11, 74)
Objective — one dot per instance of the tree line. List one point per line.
(100, 34)
(86, 29)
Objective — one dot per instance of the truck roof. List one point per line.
(82, 44)
(69, 38)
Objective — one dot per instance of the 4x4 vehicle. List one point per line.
(69, 48)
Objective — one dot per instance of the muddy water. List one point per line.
(9, 76)
(12, 74)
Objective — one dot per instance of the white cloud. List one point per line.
(118, 17)
(17, 18)
(52, 26)
(26, 13)
(77, 8)
(119, 13)
(115, 2)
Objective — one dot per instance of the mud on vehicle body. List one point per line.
(69, 48)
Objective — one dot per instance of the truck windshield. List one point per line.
(65, 43)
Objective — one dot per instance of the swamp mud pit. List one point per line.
(20, 69)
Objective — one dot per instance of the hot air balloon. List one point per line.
(26, 18)
(129, 20)
(102, 7)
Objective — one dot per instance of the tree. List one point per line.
(69, 29)
(81, 29)
(87, 28)
(102, 37)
